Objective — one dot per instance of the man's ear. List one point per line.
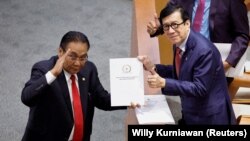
(187, 23)
(60, 52)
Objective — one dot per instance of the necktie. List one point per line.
(198, 16)
(78, 114)
(177, 60)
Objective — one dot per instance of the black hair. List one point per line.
(73, 36)
(170, 8)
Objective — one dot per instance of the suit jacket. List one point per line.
(50, 116)
(201, 85)
(226, 25)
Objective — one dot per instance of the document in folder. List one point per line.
(126, 81)
(239, 68)
(154, 111)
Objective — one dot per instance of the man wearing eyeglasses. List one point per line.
(197, 73)
(220, 23)
(63, 92)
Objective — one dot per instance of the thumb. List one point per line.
(157, 22)
(141, 58)
(152, 71)
(155, 16)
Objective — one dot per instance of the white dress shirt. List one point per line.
(50, 78)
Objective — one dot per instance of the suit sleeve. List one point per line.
(35, 86)
(240, 29)
(165, 70)
(202, 78)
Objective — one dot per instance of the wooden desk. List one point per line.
(241, 81)
(243, 120)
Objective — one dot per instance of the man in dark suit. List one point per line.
(197, 75)
(63, 92)
(224, 21)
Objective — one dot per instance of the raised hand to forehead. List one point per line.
(57, 69)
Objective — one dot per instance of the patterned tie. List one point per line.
(198, 16)
(78, 114)
(177, 60)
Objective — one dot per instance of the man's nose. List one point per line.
(171, 30)
(78, 62)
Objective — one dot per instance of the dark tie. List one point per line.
(177, 60)
(198, 16)
(78, 114)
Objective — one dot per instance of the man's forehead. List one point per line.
(80, 53)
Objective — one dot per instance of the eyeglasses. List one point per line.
(81, 59)
(172, 25)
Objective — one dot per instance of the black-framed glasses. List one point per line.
(172, 25)
(75, 57)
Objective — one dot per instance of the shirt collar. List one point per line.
(68, 75)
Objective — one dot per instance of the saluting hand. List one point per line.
(57, 69)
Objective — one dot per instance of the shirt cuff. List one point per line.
(49, 77)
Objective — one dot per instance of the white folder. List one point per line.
(126, 81)
(154, 111)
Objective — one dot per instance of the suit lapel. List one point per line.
(174, 48)
(83, 93)
(190, 44)
(82, 90)
(65, 92)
